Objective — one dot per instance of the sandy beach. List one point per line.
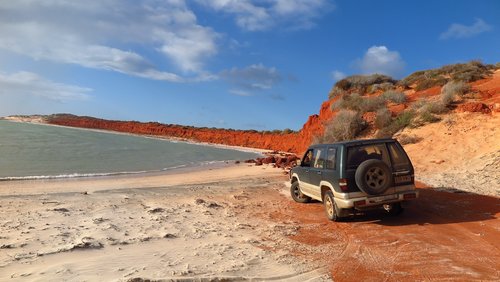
(188, 225)
(237, 223)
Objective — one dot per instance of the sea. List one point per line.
(37, 151)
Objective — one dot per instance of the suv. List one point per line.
(355, 176)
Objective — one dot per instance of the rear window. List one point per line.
(399, 159)
(358, 154)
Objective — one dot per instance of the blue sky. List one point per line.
(263, 64)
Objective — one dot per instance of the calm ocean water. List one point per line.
(30, 151)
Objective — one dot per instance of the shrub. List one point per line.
(394, 96)
(343, 84)
(361, 82)
(358, 103)
(372, 104)
(472, 71)
(427, 117)
(346, 125)
(408, 139)
(447, 98)
(335, 92)
(383, 118)
(427, 83)
(351, 102)
(385, 86)
(467, 72)
(434, 108)
(403, 120)
(452, 89)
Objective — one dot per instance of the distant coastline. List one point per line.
(43, 120)
(277, 140)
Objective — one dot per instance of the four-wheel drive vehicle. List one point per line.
(355, 176)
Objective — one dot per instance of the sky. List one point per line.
(247, 64)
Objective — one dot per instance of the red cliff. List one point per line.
(295, 142)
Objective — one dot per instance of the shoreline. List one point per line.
(40, 121)
(181, 176)
(198, 166)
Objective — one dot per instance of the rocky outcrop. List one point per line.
(472, 107)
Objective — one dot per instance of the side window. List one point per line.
(319, 158)
(306, 160)
(331, 158)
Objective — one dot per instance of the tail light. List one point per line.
(343, 184)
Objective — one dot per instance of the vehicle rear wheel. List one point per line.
(297, 195)
(373, 177)
(331, 209)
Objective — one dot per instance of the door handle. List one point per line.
(307, 171)
(318, 172)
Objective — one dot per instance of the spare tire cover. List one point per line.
(373, 177)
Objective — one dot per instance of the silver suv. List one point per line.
(355, 176)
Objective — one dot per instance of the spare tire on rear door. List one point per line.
(373, 177)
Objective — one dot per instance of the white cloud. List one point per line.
(459, 31)
(262, 15)
(100, 35)
(255, 77)
(379, 59)
(28, 83)
(338, 75)
(239, 92)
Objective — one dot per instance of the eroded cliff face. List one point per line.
(292, 142)
(488, 101)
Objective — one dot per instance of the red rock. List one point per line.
(474, 107)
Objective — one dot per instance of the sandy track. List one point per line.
(443, 236)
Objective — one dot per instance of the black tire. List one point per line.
(297, 195)
(396, 209)
(331, 209)
(373, 177)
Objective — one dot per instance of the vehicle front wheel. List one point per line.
(297, 195)
(331, 209)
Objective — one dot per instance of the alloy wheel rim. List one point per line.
(375, 177)
(329, 206)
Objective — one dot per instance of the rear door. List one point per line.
(317, 169)
(356, 154)
(330, 173)
(401, 166)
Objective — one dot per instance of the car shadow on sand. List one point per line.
(437, 206)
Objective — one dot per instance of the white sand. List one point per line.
(190, 225)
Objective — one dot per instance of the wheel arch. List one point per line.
(325, 186)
